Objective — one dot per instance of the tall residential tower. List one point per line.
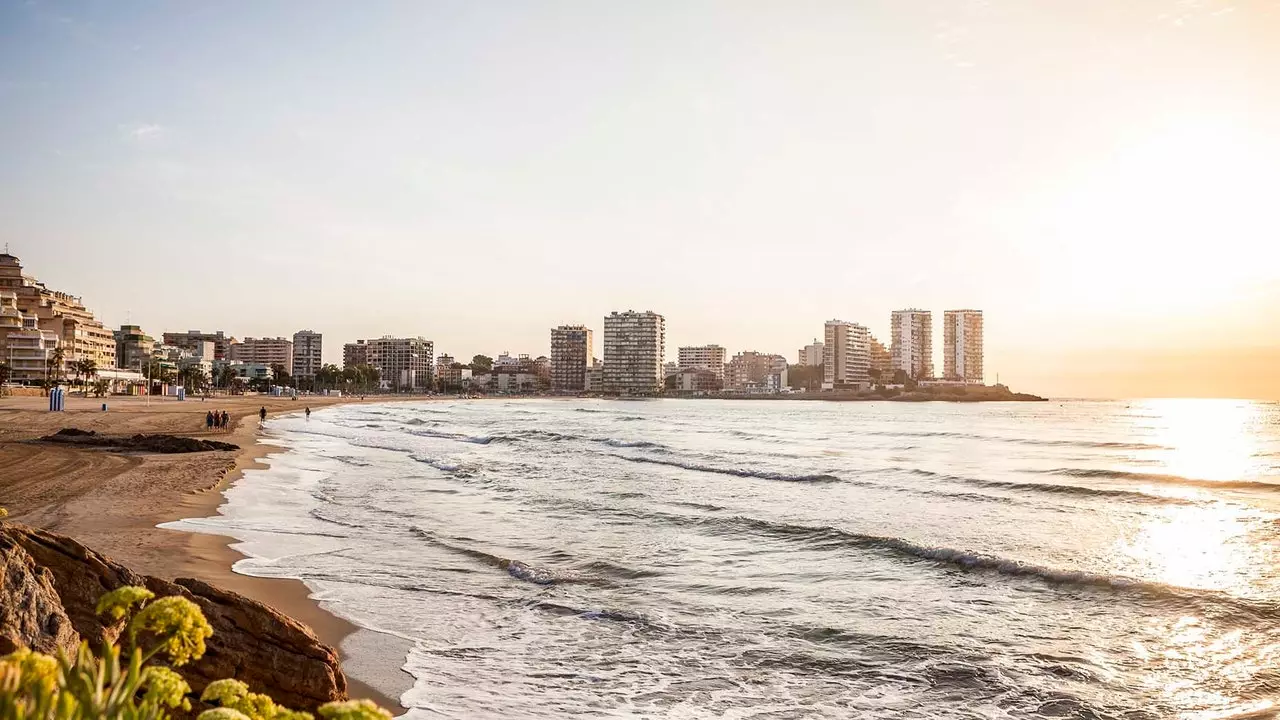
(846, 355)
(962, 345)
(911, 342)
(634, 349)
(570, 357)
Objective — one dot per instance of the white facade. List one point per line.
(846, 355)
(634, 350)
(405, 364)
(811, 355)
(705, 357)
(911, 342)
(962, 345)
(272, 351)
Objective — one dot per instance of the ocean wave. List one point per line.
(1020, 440)
(567, 611)
(440, 465)
(1157, 478)
(1056, 489)
(515, 568)
(457, 437)
(738, 472)
(612, 442)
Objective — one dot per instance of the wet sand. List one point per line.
(113, 501)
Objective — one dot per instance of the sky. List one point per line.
(1101, 178)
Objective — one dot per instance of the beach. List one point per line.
(113, 501)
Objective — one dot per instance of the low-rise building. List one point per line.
(697, 381)
(133, 347)
(221, 342)
(272, 351)
(751, 367)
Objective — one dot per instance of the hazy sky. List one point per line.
(1101, 177)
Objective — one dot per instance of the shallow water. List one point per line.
(694, 559)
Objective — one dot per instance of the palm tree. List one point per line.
(102, 387)
(85, 368)
(6, 372)
(54, 367)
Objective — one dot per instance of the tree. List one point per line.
(280, 375)
(481, 363)
(55, 366)
(85, 369)
(101, 387)
(328, 377)
(6, 372)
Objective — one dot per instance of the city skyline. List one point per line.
(1094, 175)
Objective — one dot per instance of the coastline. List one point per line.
(115, 502)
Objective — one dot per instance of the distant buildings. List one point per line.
(594, 378)
(811, 354)
(911, 341)
(404, 364)
(846, 355)
(962, 345)
(188, 340)
(133, 347)
(270, 351)
(881, 362)
(40, 321)
(308, 357)
(634, 348)
(697, 381)
(353, 354)
(751, 370)
(571, 354)
(706, 357)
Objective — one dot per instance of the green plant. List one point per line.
(110, 687)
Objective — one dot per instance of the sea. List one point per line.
(787, 559)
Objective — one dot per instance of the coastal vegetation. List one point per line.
(127, 680)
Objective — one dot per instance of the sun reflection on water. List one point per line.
(1207, 439)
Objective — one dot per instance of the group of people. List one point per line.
(217, 419)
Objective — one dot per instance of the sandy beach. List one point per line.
(113, 501)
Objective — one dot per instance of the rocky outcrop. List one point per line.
(52, 583)
(143, 443)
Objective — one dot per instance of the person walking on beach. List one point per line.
(217, 419)
(225, 420)
(208, 420)
(262, 414)
(308, 413)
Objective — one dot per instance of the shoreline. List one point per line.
(115, 502)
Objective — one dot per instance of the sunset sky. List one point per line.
(1101, 177)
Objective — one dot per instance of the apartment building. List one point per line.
(308, 355)
(133, 347)
(78, 333)
(353, 354)
(962, 345)
(405, 364)
(705, 357)
(811, 355)
(25, 347)
(846, 356)
(634, 350)
(754, 369)
(911, 342)
(881, 362)
(271, 351)
(571, 353)
(189, 339)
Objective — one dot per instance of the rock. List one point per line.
(31, 614)
(144, 443)
(251, 642)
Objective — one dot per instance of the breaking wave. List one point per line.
(738, 472)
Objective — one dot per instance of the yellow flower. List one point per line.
(286, 714)
(34, 673)
(221, 713)
(353, 710)
(226, 692)
(257, 706)
(120, 601)
(179, 624)
(166, 687)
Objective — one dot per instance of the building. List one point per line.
(962, 345)
(697, 381)
(846, 355)
(307, 355)
(571, 353)
(27, 349)
(133, 347)
(188, 339)
(78, 333)
(706, 357)
(594, 378)
(911, 342)
(404, 364)
(450, 373)
(811, 355)
(881, 362)
(353, 354)
(634, 349)
(754, 368)
(271, 351)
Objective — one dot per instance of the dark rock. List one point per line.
(251, 642)
(31, 614)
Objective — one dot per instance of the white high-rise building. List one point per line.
(911, 342)
(404, 364)
(846, 355)
(962, 345)
(307, 356)
(634, 350)
(703, 357)
(811, 355)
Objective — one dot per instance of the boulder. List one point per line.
(251, 642)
